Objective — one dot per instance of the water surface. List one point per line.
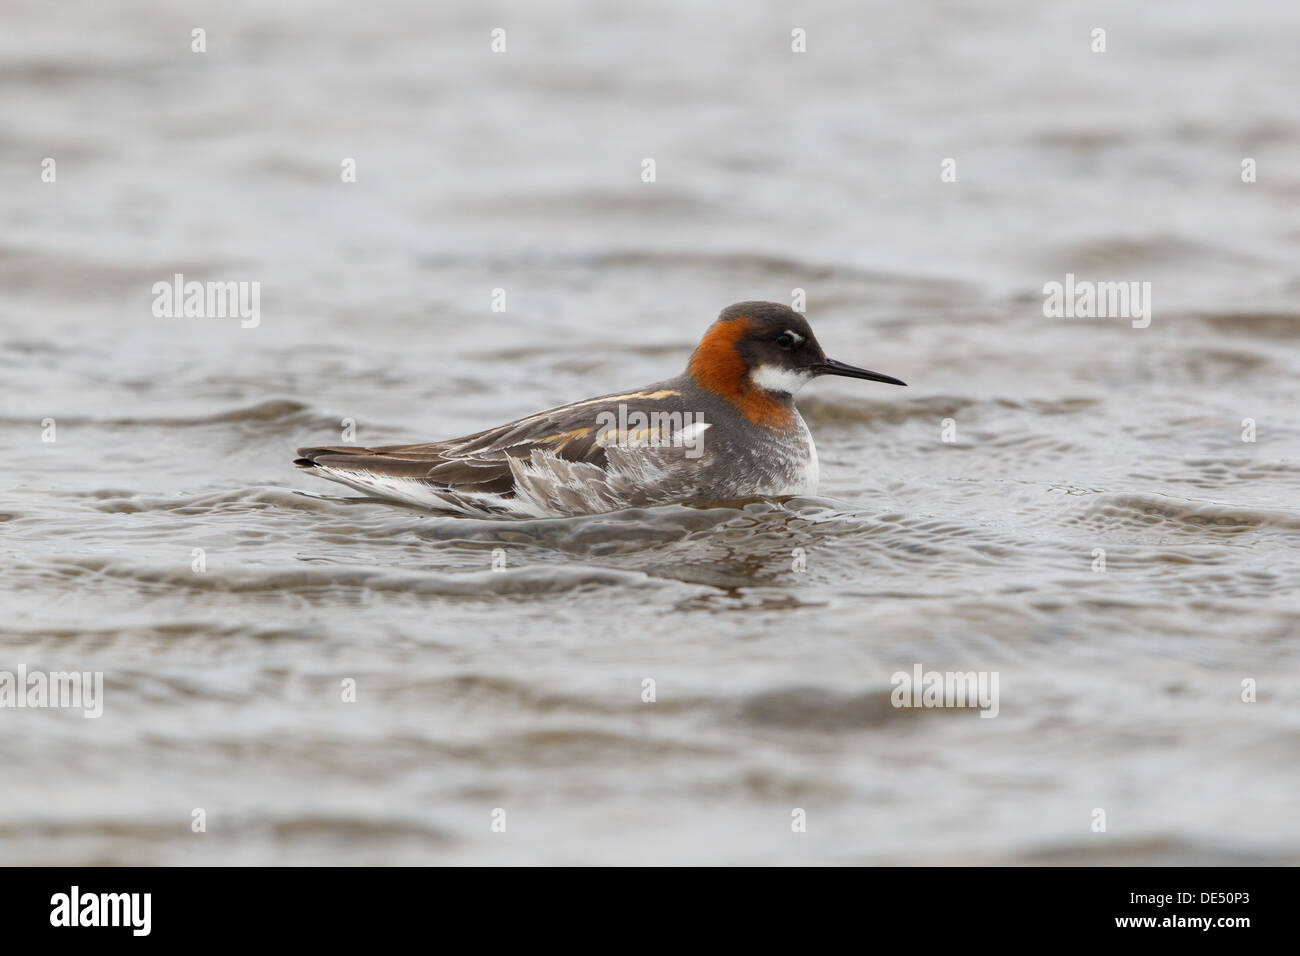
(521, 688)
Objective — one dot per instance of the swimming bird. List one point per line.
(727, 427)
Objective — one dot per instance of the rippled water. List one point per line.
(521, 689)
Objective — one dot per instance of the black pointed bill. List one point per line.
(832, 367)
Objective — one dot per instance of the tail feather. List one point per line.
(355, 459)
(380, 472)
(307, 456)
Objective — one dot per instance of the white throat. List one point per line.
(772, 378)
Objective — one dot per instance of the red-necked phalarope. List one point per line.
(725, 428)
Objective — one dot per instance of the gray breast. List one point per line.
(758, 461)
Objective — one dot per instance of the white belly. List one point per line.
(803, 470)
(814, 465)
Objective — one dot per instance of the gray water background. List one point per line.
(522, 689)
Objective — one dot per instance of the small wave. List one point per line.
(510, 581)
(116, 501)
(1264, 325)
(820, 709)
(1130, 253)
(1157, 851)
(277, 410)
(825, 410)
(148, 831)
(767, 265)
(1147, 510)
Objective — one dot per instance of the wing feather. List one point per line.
(553, 461)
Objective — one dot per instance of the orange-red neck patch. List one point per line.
(718, 367)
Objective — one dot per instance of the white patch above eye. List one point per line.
(773, 378)
(798, 339)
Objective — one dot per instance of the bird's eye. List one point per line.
(785, 340)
